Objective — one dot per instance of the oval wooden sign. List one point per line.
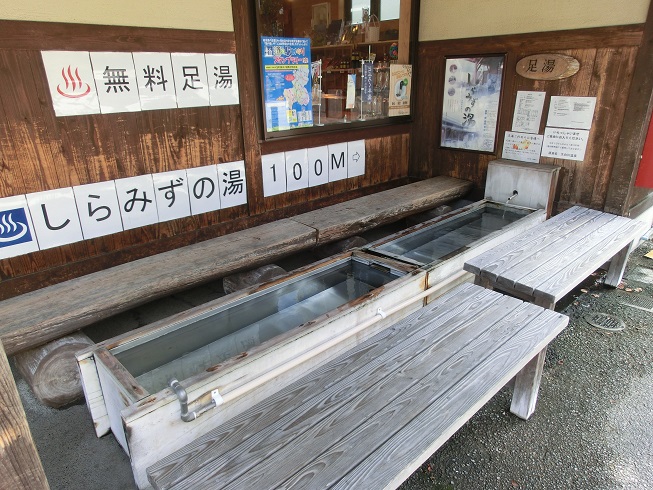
(547, 66)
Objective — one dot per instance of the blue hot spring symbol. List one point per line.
(14, 227)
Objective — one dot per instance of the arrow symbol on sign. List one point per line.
(356, 156)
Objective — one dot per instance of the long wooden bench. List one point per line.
(370, 417)
(46, 314)
(546, 262)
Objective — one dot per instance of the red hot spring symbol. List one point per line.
(74, 88)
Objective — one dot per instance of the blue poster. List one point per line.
(287, 82)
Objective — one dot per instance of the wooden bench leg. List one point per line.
(481, 281)
(527, 383)
(618, 266)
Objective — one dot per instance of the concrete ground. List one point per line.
(592, 430)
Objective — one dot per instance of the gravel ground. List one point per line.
(592, 429)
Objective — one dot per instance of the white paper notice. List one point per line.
(528, 111)
(156, 83)
(204, 189)
(568, 144)
(70, 79)
(356, 154)
(55, 218)
(522, 147)
(318, 166)
(98, 208)
(172, 199)
(233, 185)
(191, 82)
(274, 174)
(337, 162)
(137, 201)
(296, 170)
(223, 78)
(115, 79)
(571, 112)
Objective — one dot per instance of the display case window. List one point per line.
(327, 64)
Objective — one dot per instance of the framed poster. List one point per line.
(470, 103)
(320, 15)
(286, 64)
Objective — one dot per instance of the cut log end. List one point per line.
(51, 370)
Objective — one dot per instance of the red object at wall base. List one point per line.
(645, 172)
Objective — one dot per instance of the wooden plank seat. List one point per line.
(370, 417)
(546, 262)
(37, 317)
(358, 215)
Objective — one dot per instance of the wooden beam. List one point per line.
(633, 131)
(20, 466)
(250, 100)
(88, 37)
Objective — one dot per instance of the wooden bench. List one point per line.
(46, 314)
(370, 417)
(546, 262)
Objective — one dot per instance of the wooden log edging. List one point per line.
(20, 465)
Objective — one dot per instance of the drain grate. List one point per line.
(605, 322)
(639, 302)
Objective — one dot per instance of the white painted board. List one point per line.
(98, 209)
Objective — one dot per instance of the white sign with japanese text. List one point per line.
(337, 162)
(274, 174)
(356, 161)
(70, 80)
(137, 201)
(55, 218)
(172, 199)
(223, 79)
(296, 170)
(232, 183)
(191, 82)
(156, 84)
(17, 235)
(318, 166)
(115, 79)
(568, 144)
(203, 189)
(98, 208)
(523, 147)
(528, 111)
(571, 112)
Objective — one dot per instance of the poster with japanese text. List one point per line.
(400, 82)
(470, 107)
(287, 82)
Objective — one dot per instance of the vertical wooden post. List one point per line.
(635, 126)
(20, 466)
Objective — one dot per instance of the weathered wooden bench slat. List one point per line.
(326, 383)
(545, 263)
(556, 286)
(364, 213)
(541, 266)
(514, 251)
(418, 381)
(542, 262)
(45, 314)
(375, 416)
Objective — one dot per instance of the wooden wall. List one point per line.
(607, 59)
(39, 151)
